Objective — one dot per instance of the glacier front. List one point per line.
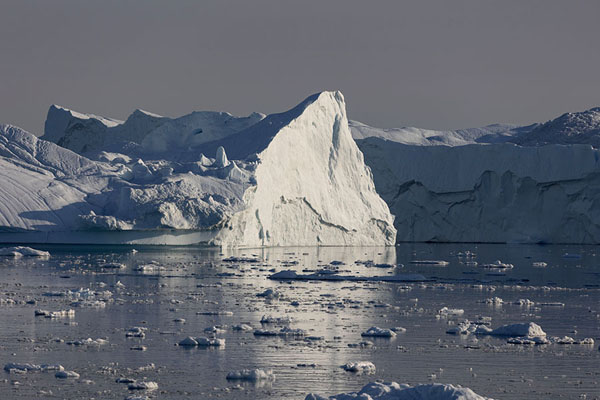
(500, 184)
(293, 178)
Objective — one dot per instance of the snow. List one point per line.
(295, 178)
(395, 391)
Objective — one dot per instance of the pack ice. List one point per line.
(501, 183)
(294, 178)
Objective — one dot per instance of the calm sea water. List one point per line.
(190, 283)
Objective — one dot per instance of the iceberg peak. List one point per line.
(221, 160)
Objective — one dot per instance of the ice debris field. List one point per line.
(419, 321)
(306, 176)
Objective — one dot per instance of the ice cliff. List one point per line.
(294, 178)
(532, 184)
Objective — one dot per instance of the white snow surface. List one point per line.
(395, 391)
(294, 178)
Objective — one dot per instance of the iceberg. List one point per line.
(500, 184)
(293, 178)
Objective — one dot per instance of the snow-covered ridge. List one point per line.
(302, 181)
(497, 133)
(570, 128)
(143, 134)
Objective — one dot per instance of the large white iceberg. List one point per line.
(294, 178)
(395, 391)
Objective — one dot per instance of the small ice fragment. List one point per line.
(251, 375)
(189, 342)
(242, 327)
(269, 294)
(375, 331)
(149, 386)
(360, 367)
(498, 264)
(207, 342)
(438, 263)
(446, 312)
(136, 331)
(67, 375)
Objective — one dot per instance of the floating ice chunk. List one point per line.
(213, 313)
(527, 329)
(552, 304)
(23, 251)
(524, 303)
(113, 266)
(447, 312)
(285, 331)
(536, 340)
(55, 314)
(149, 268)
(242, 327)
(234, 259)
(67, 375)
(136, 331)
(496, 301)
(144, 385)
(209, 342)
(215, 330)
(268, 319)
(51, 367)
(570, 340)
(394, 391)
(437, 263)
(269, 294)
(364, 343)
(251, 375)
(13, 367)
(87, 342)
(360, 367)
(497, 264)
(188, 342)
(375, 331)
(464, 328)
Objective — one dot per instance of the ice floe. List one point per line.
(395, 391)
(251, 375)
(360, 367)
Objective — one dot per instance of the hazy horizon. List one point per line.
(429, 64)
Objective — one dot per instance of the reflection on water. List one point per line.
(195, 285)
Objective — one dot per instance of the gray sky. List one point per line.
(431, 64)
